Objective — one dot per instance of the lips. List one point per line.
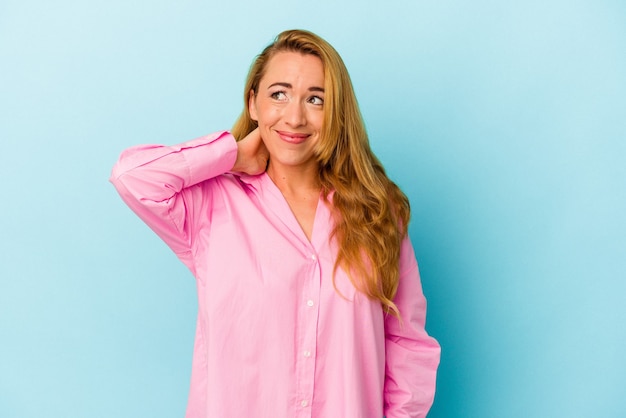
(292, 137)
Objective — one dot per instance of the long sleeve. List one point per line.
(274, 337)
(161, 184)
(412, 356)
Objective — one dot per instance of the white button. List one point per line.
(304, 403)
(309, 302)
(307, 353)
(313, 257)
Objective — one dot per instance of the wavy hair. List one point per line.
(371, 213)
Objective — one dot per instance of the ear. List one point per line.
(252, 106)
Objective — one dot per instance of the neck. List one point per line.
(295, 181)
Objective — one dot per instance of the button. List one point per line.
(304, 403)
(313, 257)
(310, 302)
(307, 353)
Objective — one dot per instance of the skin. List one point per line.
(289, 109)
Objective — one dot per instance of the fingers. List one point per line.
(253, 137)
(252, 155)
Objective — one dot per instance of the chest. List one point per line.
(254, 246)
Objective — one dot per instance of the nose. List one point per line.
(295, 114)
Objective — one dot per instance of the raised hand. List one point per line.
(252, 156)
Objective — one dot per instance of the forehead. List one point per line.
(291, 67)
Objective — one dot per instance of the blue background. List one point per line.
(504, 123)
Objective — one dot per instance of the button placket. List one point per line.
(309, 309)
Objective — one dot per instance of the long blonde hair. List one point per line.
(371, 212)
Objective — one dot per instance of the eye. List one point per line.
(316, 100)
(279, 95)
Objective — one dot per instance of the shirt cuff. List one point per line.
(210, 156)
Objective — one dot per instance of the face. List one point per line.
(289, 109)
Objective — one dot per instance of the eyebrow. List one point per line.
(289, 86)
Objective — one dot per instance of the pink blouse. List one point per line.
(274, 338)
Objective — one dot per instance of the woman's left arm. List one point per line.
(412, 356)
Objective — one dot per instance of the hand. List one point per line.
(252, 156)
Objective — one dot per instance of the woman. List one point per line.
(309, 298)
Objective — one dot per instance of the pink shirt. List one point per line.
(274, 338)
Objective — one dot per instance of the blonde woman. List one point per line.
(309, 297)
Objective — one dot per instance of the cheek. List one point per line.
(268, 115)
(318, 120)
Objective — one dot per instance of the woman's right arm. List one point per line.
(161, 183)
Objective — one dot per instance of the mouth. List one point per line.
(292, 137)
